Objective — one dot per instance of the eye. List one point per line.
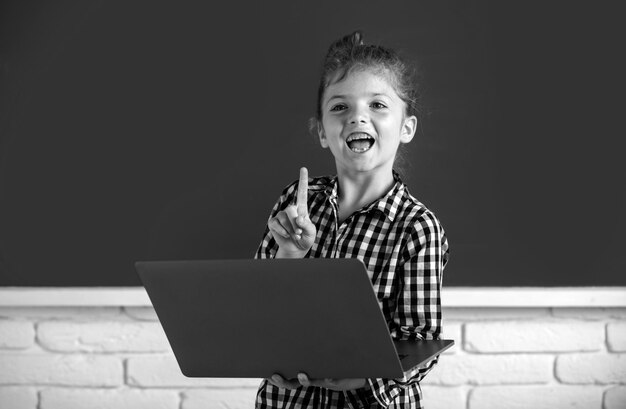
(338, 107)
(378, 105)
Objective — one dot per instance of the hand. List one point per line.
(328, 383)
(281, 382)
(292, 228)
(331, 383)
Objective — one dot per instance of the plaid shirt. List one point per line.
(405, 249)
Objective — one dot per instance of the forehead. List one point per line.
(361, 83)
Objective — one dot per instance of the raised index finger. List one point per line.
(303, 189)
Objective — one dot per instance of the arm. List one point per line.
(418, 309)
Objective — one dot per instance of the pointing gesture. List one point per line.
(292, 228)
(303, 194)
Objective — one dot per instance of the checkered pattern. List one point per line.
(405, 250)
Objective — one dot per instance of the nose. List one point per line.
(359, 116)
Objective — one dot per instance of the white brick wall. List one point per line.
(616, 336)
(16, 334)
(104, 336)
(118, 357)
(535, 336)
(536, 397)
(108, 399)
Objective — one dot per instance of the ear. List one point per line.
(322, 135)
(408, 129)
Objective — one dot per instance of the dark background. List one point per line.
(137, 130)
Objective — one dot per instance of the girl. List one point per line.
(366, 108)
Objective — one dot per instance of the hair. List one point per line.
(349, 54)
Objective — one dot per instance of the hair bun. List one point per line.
(357, 38)
(345, 45)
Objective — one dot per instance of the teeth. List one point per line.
(359, 142)
(358, 136)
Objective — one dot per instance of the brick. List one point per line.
(591, 368)
(73, 313)
(62, 398)
(18, 398)
(615, 398)
(219, 399)
(443, 397)
(618, 312)
(534, 336)
(16, 334)
(616, 336)
(49, 369)
(590, 313)
(106, 336)
(164, 372)
(536, 397)
(453, 330)
(141, 313)
(494, 314)
(482, 369)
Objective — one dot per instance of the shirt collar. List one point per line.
(387, 205)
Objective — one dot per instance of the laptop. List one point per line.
(254, 318)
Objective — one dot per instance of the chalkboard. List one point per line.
(147, 130)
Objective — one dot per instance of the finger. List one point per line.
(292, 215)
(276, 228)
(274, 380)
(306, 226)
(278, 380)
(303, 193)
(285, 222)
(304, 379)
(281, 382)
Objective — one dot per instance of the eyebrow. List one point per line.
(373, 94)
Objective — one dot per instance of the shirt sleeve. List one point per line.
(418, 310)
(268, 246)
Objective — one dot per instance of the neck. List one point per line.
(358, 189)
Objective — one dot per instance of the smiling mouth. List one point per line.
(360, 142)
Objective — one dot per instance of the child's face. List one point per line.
(363, 123)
